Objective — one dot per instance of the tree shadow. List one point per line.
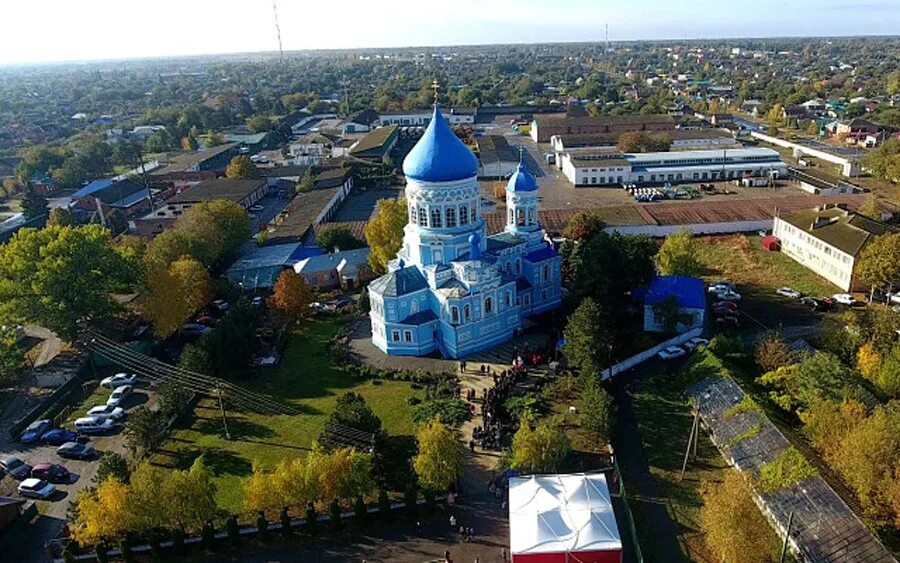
(392, 462)
(219, 461)
(238, 428)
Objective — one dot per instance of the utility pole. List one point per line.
(222, 410)
(787, 536)
(692, 441)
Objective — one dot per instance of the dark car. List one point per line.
(59, 436)
(52, 472)
(15, 467)
(74, 450)
(35, 430)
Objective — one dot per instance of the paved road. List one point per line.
(27, 544)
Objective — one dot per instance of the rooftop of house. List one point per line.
(247, 139)
(183, 161)
(688, 291)
(324, 262)
(332, 177)
(273, 255)
(302, 212)
(557, 119)
(399, 282)
(219, 188)
(375, 139)
(495, 148)
(839, 228)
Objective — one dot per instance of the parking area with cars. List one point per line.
(50, 463)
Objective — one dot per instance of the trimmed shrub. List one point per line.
(311, 518)
(234, 533)
(178, 540)
(334, 513)
(360, 509)
(208, 534)
(285, 523)
(262, 526)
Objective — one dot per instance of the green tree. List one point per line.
(175, 293)
(596, 410)
(671, 315)
(351, 410)
(306, 182)
(112, 465)
(59, 277)
(195, 358)
(384, 232)
(892, 84)
(189, 143)
(259, 124)
(583, 225)
(33, 204)
(887, 375)
(678, 255)
(439, 459)
(12, 356)
(145, 430)
(337, 238)
(212, 139)
(61, 217)
(587, 337)
(241, 167)
(174, 398)
(539, 447)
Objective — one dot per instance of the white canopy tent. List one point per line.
(562, 519)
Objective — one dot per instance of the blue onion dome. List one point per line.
(440, 156)
(522, 180)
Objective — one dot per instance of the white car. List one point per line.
(118, 395)
(36, 488)
(257, 208)
(720, 286)
(671, 353)
(118, 380)
(94, 425)
(728, 295)
(695, 343)
(788, 292)
(844, 299)
(106, 411)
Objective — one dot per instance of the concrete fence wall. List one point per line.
(848, 167)
(650, 352)
(730, 227)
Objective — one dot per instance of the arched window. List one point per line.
(531, 220)
(511, 216)
(467, 313)
(414, 306)
(451, 217)
(520, 217)
(488, 305)
(412, 213)
(473, 214)
(423, 217)
(436, 222)
(518, 266)
(454, 314)
(508, 299)
(463, 215)
(546, 272)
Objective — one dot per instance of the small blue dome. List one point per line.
(522, 180)
(440, 156)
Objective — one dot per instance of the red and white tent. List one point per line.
(562, 519)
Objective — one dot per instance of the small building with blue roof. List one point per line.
(453, 290)
(687, 292)
(260, 266)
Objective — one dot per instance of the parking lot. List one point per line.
(28, 543)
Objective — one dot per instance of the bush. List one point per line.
(413, 401)
(722, 346)
(788, 468)
(452, 412)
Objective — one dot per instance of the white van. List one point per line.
(93, 425)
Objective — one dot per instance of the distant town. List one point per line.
(607, 302)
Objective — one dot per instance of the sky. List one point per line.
(72, 30)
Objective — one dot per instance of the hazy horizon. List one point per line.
(106, 30)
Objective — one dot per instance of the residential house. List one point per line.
(211, 159)
(108, 194)
(43, 183)
(689, 296)
(377, 144)
(827, 240)
(346, 269)
(260, 266)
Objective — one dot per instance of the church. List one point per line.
(452, 288)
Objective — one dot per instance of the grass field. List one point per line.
(306, 378)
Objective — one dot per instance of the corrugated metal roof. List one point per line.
(687, 290)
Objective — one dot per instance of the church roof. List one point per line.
(399, 282)
(440, 156)
(522, 180)
(541, 254)
(503, 240)
(420, 318)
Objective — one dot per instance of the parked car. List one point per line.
(106, 411)
(193, 329)
(258, 302)
(728, 295)
(722, 285)
(59, 436)
(52, 472)
(695, 343)
(93, 425)
(118, 380)
(35, 430)
(877, 297)
(671, 353)
(728, 321)
(256, 208)
(206, 320)
(221, 305)
(118, 395)
(36, 488)
(342, 303)
(15, 467)
(74, 450)
(788, 292)
(818, 303)
(844, 299)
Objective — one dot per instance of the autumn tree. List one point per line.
(189, 143)
(587, 337)
(827, 422)
(539, 447)
(583, 225)
(241, 167)
(678, 255)
(102, 513)
(291, 297)
(887, 376)
(60, 277)
(174, 293)
(772, 352)
(879, 261)
(439, 459)
(384, 232)
(733, 527)
(867, 360)
(61, 217)
(871, 208)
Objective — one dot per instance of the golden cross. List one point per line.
(435, 86)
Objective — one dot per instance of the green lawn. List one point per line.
(306, 378)
(98, 397)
